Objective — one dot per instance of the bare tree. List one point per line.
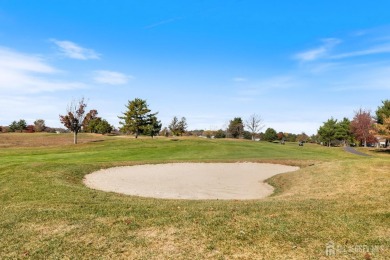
(74, 118)
(39, 125)
(255, 124)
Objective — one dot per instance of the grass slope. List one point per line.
(47, 212)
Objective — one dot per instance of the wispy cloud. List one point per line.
(26, 73)
(162, 22)
(111, 77)
(240, 79)
(336, 70)
(319, 52)
(370, 51)
(74, 51)
(13, 60)
(358, 44)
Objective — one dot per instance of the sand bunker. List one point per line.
(197, 181)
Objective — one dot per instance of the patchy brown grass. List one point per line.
(47, 213)
(14, 140)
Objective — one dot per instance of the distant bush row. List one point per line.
(38, 126)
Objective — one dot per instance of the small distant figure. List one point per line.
(300, 143)
(282, 142)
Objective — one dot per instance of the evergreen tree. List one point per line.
(177, 127)
(270, 135)
(383, 111)
(343, 132)
(174, 126)
(182, 125)
(13, 126)
(153, 127)
(383, 120)
(327, 132)
(235, 128)
(22, 124)
(18, 126)
(135, 119)
(103, 127)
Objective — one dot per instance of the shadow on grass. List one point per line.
(96, 141)
(382, 151)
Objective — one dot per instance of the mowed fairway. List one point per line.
(47, 212)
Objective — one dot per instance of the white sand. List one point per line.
(197, 181)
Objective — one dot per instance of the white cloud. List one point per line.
(239, 79)
(326, 51)
(23, 62)
(320, 52)
(26, 73)
(369, 51)
(74, 51)
(111, 77)
(311, 54)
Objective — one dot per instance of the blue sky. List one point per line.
(294, 63)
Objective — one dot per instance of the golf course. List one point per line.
(336, 199)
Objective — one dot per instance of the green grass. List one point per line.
(46, 211)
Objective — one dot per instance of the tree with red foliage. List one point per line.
(74, 119)
(30, 129)
(90, 116)
(362, 126)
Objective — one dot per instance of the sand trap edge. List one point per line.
(191, 181)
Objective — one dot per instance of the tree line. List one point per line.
(138, 119)
(364, 128)
(21, 125)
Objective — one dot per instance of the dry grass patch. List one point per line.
(47, 213)
(342, 179)
(47, 230)
(12, 140)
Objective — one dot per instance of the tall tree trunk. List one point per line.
(75, 137)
